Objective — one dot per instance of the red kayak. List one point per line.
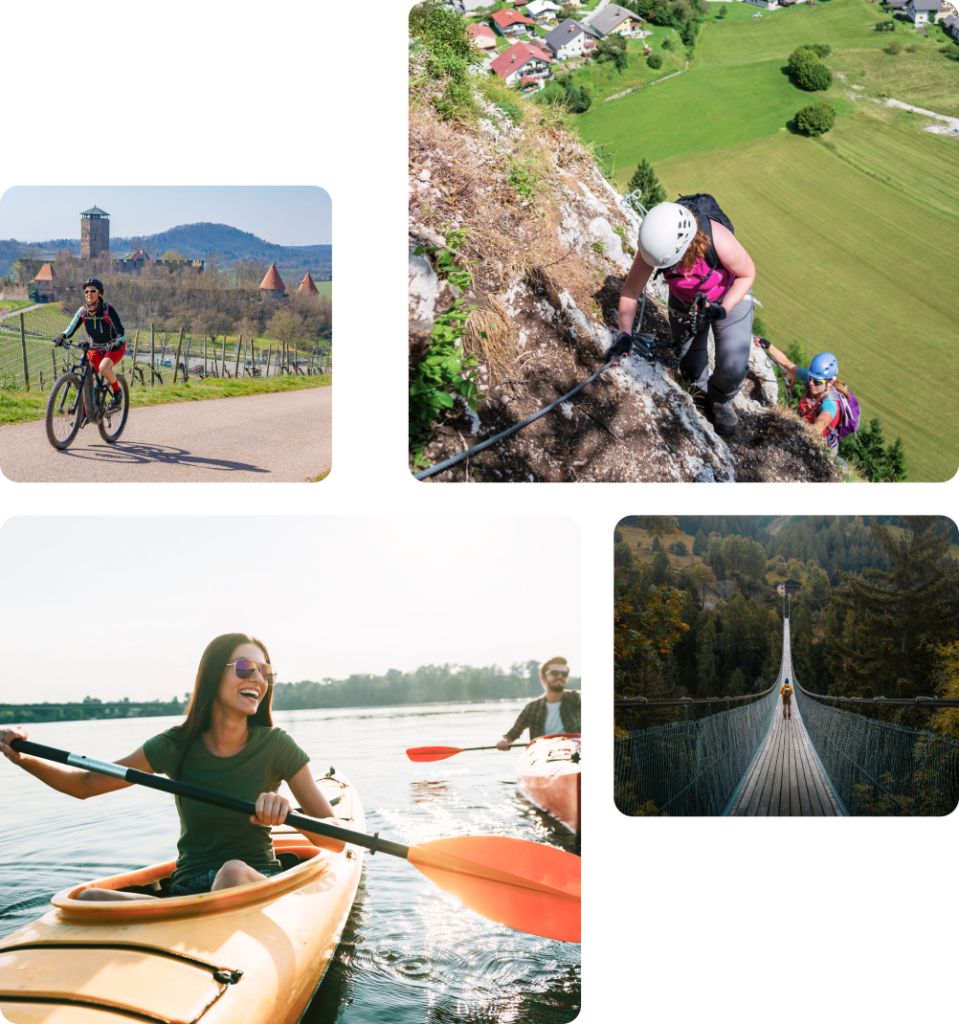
(548, 773)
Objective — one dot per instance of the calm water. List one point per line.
(410, 953)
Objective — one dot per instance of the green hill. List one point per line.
(842, 229)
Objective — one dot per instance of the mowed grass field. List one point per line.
(843, 230)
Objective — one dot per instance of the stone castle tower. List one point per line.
(94, 233)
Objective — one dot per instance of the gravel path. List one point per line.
(267, 438)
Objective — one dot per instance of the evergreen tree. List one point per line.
(660, 567)
(645, 179)
(699, 542)
(882, 637)
(656, 544)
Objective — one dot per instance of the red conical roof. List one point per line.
(45, 273)
(273, 282)
(307, 285)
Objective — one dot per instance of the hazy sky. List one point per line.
(329, 596)
(294, 215)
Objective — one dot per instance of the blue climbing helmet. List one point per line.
(825, 365)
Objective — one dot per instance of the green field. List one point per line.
(842, 229)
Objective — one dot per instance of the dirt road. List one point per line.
(267, 438)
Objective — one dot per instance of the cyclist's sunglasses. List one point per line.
(91, 291)
(557, 672)
(818, 381)
(245, 667)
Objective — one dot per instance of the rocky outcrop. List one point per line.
(553, 242)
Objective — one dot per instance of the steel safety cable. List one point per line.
(506, 433)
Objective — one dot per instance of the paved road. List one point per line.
(267, 438)
(17, 312)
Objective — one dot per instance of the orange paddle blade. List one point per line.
(431, 753)
(524, 885)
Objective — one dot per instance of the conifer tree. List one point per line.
(644, 179)
(890, 623)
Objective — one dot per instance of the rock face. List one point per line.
(550, 262)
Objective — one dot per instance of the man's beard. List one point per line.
(556, 687)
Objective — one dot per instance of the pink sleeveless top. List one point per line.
(686, 285)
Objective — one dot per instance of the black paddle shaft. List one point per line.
(206, 796)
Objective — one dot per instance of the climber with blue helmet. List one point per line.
(819, 404)
(692, 243)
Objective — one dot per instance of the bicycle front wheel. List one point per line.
(64, 411)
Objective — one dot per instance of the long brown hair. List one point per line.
(198, 712)
(698, 248)
(836, 383)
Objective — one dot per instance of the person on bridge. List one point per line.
(786, 692)
(557, 711)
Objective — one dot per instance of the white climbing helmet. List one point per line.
(665, 234)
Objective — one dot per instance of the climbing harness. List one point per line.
(647, 341)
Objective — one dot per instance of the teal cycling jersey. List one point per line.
(102, 324)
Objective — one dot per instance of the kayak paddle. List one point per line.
(527, 886)
(441, 753)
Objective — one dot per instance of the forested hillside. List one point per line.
(877, 613)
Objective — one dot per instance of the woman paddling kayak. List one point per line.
(227, 743)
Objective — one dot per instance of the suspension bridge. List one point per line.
(751, 760)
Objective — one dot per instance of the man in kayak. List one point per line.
(558, 710)
(228, 743)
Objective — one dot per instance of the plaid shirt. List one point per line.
(533, 716)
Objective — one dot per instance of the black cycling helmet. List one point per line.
(95, 283)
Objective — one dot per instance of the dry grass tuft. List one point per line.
(490, 332)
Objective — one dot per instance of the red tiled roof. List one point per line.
(273, 282)
(307, 285)
(516, 56)
(479, 30)
(506, 18)
(45, 273)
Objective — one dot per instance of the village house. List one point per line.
(45, 283)
(614, 18)
(766, 5)
(922, 12)
(522, 59)
(272, 284)
(543, 12)
(950, 24)
(511, 24)
(569, 39)
(482, 35)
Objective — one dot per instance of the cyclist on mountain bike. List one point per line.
(102, 323)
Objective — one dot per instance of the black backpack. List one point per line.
(705, 207)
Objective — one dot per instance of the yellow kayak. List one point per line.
(254, 953)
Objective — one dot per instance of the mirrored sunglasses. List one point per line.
(818, 381)
(245, 667)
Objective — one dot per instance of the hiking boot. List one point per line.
(724, 418)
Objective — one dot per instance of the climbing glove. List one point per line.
(761, 342)
(622, 347)
(715, 311)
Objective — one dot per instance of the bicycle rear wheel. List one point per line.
(114, 420)
(64, 411)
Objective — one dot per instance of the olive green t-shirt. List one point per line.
(210, 836)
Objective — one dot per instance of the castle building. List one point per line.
(272, 283)
(94, 232)
(45, 283)
(307, 286)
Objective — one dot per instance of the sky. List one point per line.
(329, 596)
(290, 215)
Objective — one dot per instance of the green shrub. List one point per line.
(655, 61)
(885, 26)
(808, 71)
(816, 119)
(451, 54)
(573, 97)
(893, 48)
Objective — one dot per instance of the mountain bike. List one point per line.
(81, 396)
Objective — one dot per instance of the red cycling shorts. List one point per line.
(96, 356)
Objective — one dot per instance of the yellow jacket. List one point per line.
(785, 691)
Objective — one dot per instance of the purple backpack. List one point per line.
(848, 413)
